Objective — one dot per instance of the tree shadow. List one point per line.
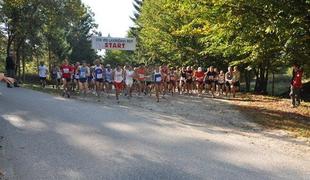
(79, 141)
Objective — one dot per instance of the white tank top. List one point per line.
(118, 76)
(129, 75)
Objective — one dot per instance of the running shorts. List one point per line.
(83, 80)
(118, 86)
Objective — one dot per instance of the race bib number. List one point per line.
(211, 77)
(66, 70)
(141, 76)
(82, 74)
(77, 76)
(158, 79)
(200, 79)
(99, 76)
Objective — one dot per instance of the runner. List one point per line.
(210, 80)
(228, 80)
(135, 80)
(108, 79)
(118, 77)
(83, 72)
(194, 83)
(66, 71)
(177, 78)
(235, 81)
(124, 86)
(98, 75)
(182, 80)
(43, 71)
(90, 78)
(72, 83)
(58, 80)
(172, 75)
(221, 83)
(149, 80)
(129, 74)
(157, 81)
(189, 80)
(141, 78)
(216, 79)
(76, 76)
(54, 75)
(165, 81)
(199, 76)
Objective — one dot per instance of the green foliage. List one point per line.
(117, 57)
(53, 28)
(268, 35)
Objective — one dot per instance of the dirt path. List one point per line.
(179, 138)
(213, 114)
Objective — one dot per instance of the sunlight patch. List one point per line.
(19, 122)
(60, 98)
(120, 127)
(15, 120)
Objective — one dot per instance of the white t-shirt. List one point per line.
(43, 71)
(118, 76)
(129, 77)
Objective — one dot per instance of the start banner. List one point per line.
(126, 44)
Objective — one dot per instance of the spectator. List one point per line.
(10, 69)
(296, 85)
(43, 71)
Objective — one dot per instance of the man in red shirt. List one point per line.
(66, 71)
(296, 85)
(199, 76)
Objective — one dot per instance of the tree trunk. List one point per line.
(10, 40)
(257, 80)
(18, 64)
(265, 82)
(49, 59)
(247, 80)
(261, 80)
(272, 89)
(18, 56)
(8, 47)
(38, 64)
(24, 65)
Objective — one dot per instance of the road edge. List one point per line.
(6, 168)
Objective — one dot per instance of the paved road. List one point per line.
(50, 137)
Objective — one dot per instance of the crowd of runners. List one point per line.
(162, 80)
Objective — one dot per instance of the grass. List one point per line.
(276, 113)
(37, 87)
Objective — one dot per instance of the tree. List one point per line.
(53, 28)
(262, 34)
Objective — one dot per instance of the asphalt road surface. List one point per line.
(47, 137)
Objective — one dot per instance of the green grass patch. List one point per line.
(47, 89)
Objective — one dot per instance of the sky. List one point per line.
(112, 16)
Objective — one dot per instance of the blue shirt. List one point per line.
(98, 72)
